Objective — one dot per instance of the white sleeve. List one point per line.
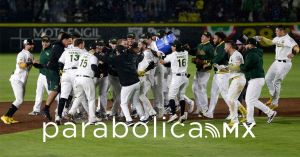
(291, 43)
(275, 40)
(93, 60)
(62, 58)
(21, 58)
(168, 58)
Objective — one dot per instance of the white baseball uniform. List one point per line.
(70, 59)
(146, 83)
(84, 83)
(236, 86)
(157, 87)
(179, 82)
(19, 78)
(281, 66)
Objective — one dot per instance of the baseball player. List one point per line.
(220, 81)
(84, 87)
(42, 80)
(286, 48)
(204, 55)
(158, 73)
(126, 64)
(238, 81)
(53, 76)
(68, 63)
(179, 82)
(254, 72)
(18, 80)
(102, 81)
(146, 79)
(113, 77)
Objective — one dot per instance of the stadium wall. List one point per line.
(12, 34)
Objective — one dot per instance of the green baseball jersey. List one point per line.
(253, 66)
(44, 58)
(220, 56)
(205, 51)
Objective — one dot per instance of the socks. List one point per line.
(61, 105)
(182, 107)
(11, 111)
(69, 101)
(172, 106)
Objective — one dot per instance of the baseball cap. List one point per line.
(207, 34)
(64, 36)
(45, 38)
(28, 42)
(241, 40)
(220, 35)
(252, 41)
(176, 43)
(75, 35)
(99, 42)
(131, 35)
(113, 41)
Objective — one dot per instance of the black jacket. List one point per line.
(126, 65)
(57, 50)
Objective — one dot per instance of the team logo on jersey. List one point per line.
(201, 52)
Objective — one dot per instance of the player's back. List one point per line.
(179, 62)
(70, 57)
(84, 64)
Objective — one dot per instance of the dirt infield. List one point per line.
(287, 107)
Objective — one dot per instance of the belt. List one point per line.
(181, 74)
(83, 76)
(71, 68)
(284, 61)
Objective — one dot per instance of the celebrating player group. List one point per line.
(75, 76)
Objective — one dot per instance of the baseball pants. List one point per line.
(252, 95)
(102, 98)
(131, 94)
(199, 89)
(236, 87)
(115, 85)
(274, 77)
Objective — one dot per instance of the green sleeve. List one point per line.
(220, 55)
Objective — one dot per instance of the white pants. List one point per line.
(157, 88)
(131, 94)
(85, 88)
(41, 85)
(19, 91)
(220, 84)
(274, 77)
(67, 83)
(236, 87)
(166, 84)
(178, 87)
(145, 87)
(102, 98)
(252, 95)
(115, 85)
(199, 89)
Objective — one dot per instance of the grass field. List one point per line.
(278, 139)
(7, 62)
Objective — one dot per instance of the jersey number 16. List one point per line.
(182, 62)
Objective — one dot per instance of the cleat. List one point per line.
(182, 118)
(270, 119)
(34, 113)
(248, 124)
(231, 123)
(5, 119)
(129, 123)
(191, 107)
(172, 118)
(208, 115)
(70, 118)
(58, 120)
(12, 121)
(243, 120)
